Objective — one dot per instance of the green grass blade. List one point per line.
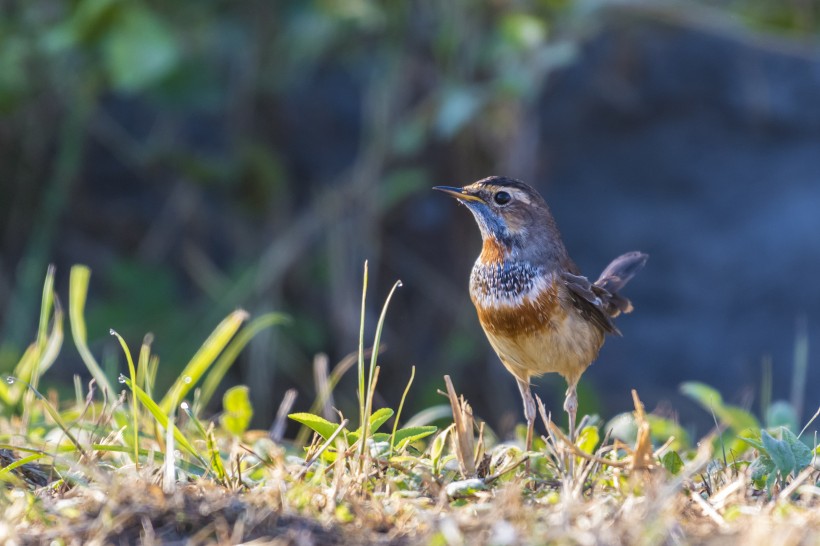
(77, 292)
(45, 308)
(372, 370)
(202, 360)
(401, 406)
(134, 404)
(20, 462)
(362, 394)
(163, 420)
(54, 342)
(142, 362)
(55, 415)
(228, 357)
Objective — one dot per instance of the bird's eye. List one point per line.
(502, 198)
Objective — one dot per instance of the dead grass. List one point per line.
(115, 466)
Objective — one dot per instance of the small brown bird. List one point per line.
(539, 314)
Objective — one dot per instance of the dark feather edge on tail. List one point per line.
(600, 301)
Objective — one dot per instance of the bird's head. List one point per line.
(507, 211)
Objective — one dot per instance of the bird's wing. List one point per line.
(591, 301)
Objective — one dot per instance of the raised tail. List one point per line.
(616, 275)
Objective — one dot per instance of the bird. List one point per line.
(538, 312)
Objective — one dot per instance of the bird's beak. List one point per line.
(459, 193)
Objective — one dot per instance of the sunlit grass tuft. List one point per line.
(134, 464)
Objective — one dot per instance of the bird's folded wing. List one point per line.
(593, 302)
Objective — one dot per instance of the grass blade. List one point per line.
(362, 394)
(77, 292)
(163, 420)
(401, 406)
(134, 405)
(228, 357)
(371, 372)
(202, 360)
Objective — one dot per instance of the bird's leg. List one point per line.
(529, 409)
(571, 407)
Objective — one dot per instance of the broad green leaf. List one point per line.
(202, 360)
(738, 418)
(781, 414)
(377, 419)
(409, 435)
(780, 453)
(315, 423)
(238, 410)
(588, 439)
(662, 429)
(802, 453)
(672, 462)
(710, 399)
(140, 50)
(761, 469)
(77, 292)
(752, 437)
(704, 395)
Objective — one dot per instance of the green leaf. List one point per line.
(704, 395)
(409, 435)
(377, 419)
(202, 360)
(761, 469)
(77, 292)
(162, 419)
(802, 453)
(661, 429)
(710, 399)
(238, 410)
(315, 423)
(737, 418)
(672, 462)
(779, 452)
(139, 50)
(752, 437)
(588, 439)
(781, 414)
(228, 356)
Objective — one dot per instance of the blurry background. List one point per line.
(204, 155)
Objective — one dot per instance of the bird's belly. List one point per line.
(566, 346)
(531, 322)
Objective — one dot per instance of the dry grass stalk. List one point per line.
(463, 440)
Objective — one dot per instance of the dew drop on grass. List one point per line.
(112, 331)
(121, 379)
(10, 380)
(187, 379)
(184, 406)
